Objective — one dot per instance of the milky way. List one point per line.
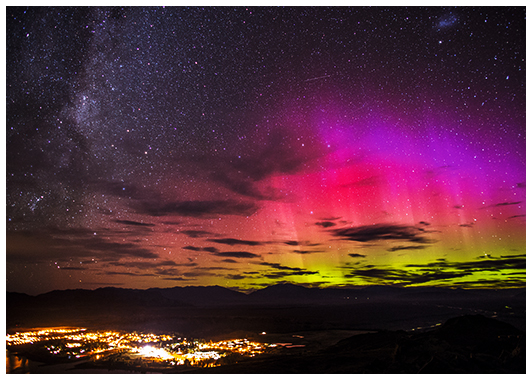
(242, 147)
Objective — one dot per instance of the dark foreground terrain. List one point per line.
(468, 344)
(414, 330)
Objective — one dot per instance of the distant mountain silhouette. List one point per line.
(216, 295)
(284, 293)
(281, 308)
(202, 295)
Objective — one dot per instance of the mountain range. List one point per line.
(214, 310)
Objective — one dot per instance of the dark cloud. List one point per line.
(197, 209)
(284, 274)
(355, 255)
(72, 268)
(304, 252)
(206, 271)
(484, 264)
(424, 223)
(517, 216)
(489, 283)
(231, 261)
(304, 243)
(470, 225)
(506, 204)
(235, 277)
(201, 249)
(167, 272)
(382, 232)
(292, 242)
(230, 241)
(176, 279)
(326, 224)
(239, 255)
(277, 155)
(405, 277)
(284, 271)
(238, 184)
(442, 270)
(131, 274)
(117, 249)
(210, 249)
(522, 256)
(132, 223)
(69, 244)
(332, 218)
(406, 248)
(192, 248)
(502, 204)
(278, 266)
(196, 234)
(150, 264)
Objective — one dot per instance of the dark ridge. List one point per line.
(395, 352)
(277, 308)
(202, 295)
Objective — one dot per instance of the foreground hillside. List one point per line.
(467, 344)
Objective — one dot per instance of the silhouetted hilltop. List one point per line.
(105, 297)
(202, 295)
(284, 293)
(468, 344)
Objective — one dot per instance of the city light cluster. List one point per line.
(38, 335)
(133, 347)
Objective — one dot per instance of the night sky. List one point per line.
(243, 147)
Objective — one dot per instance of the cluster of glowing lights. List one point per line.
(149, 351)
(34, 336)
(166, 348)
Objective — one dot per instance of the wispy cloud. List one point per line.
(383, 232)
(151, 264)
(201, 249)
(407, 248)
(486, 264)
(389, 276)
(241, 174)
(237, 254)
(64, 245)
(326, 224)
(303, 243)
(130, 274)
(304, 252)
(232, 242)
(133, 223)
(196, 233)
(501, 204)
(284, 271)
(197, 209)
(355, 255)
(442, 270)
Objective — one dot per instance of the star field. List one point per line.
(241, 147)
